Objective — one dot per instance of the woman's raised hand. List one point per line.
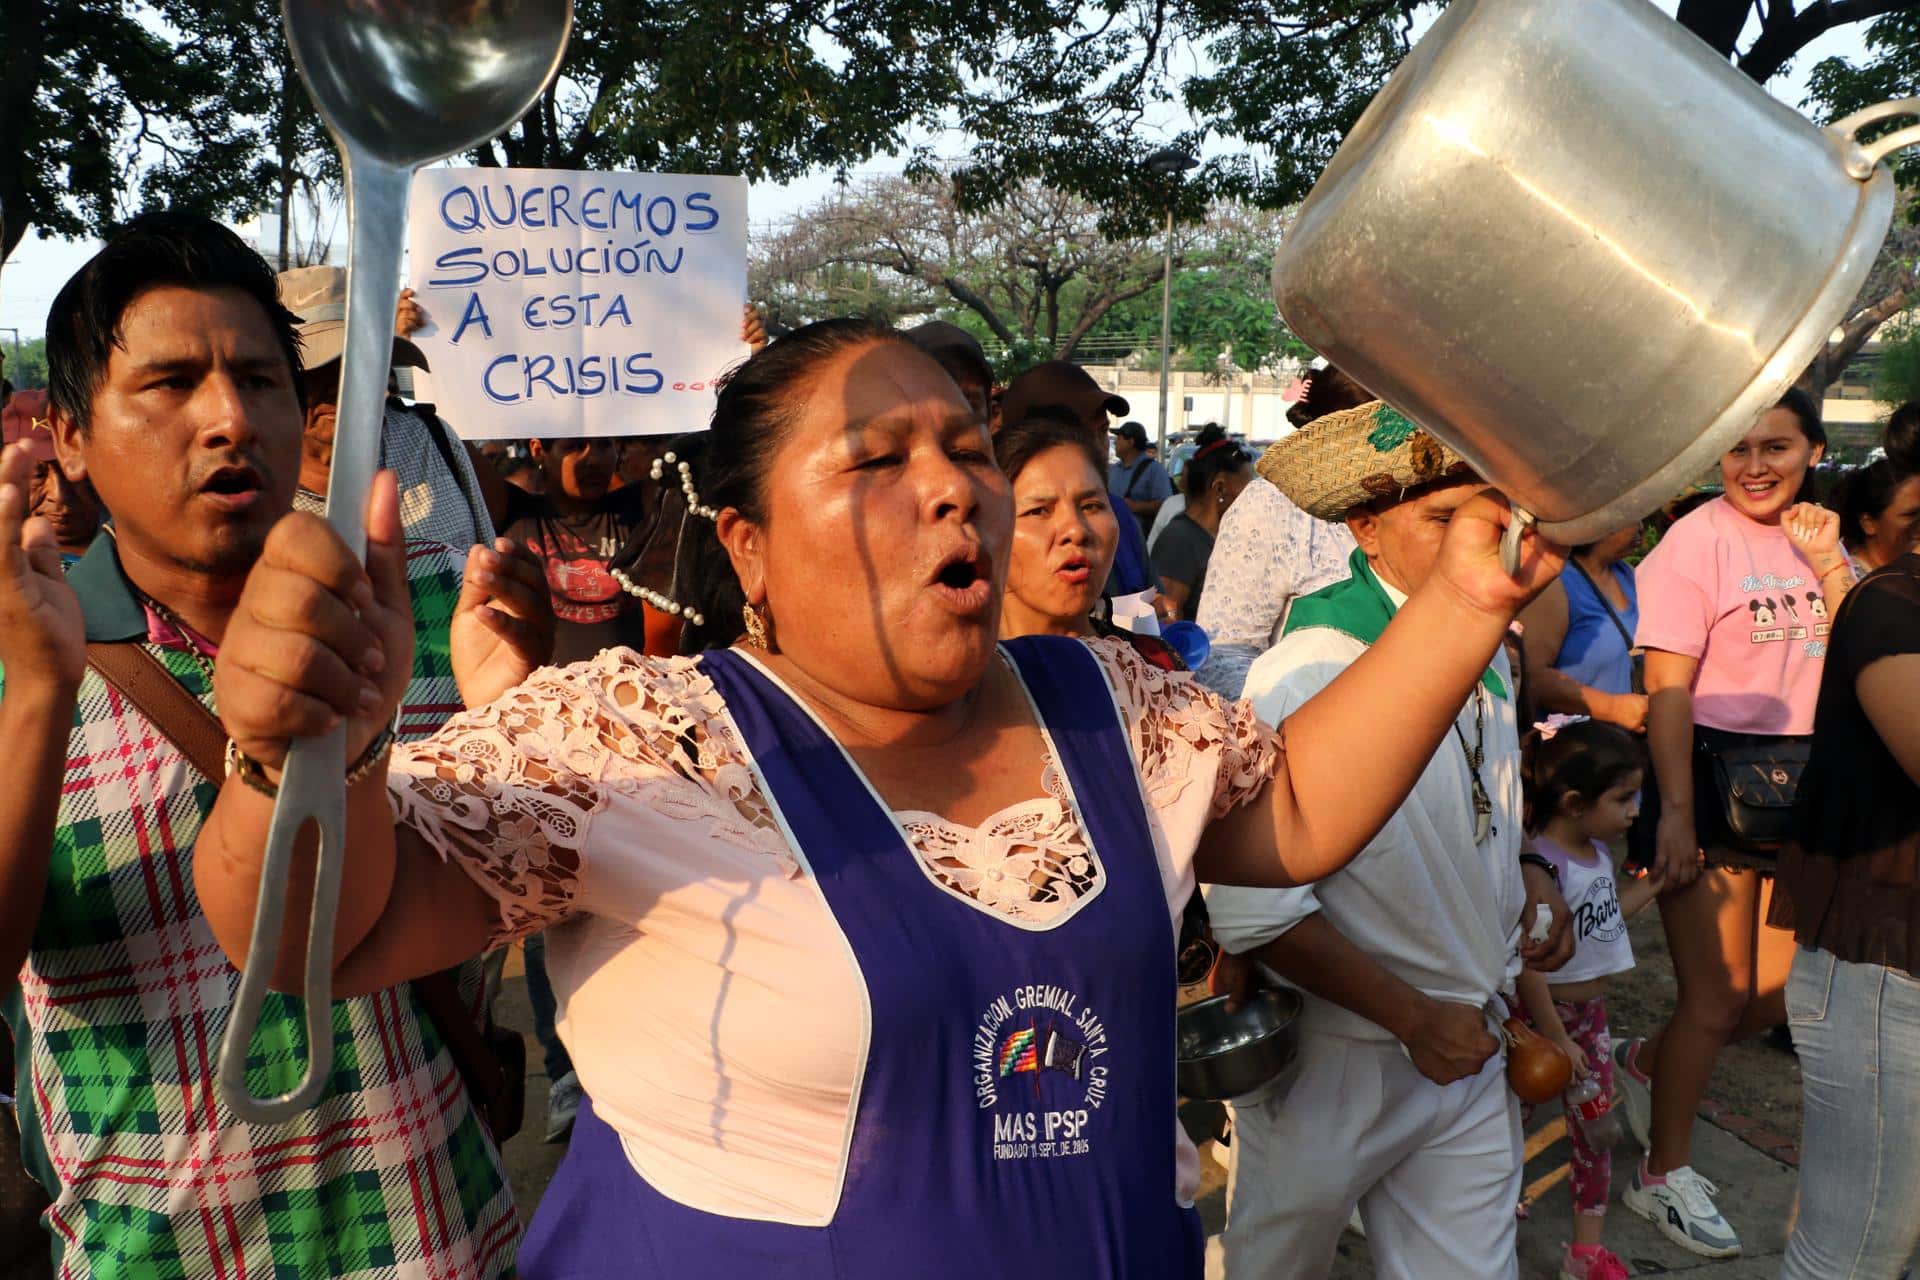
(42, 635)
(316, 638)
(1470, 557)
(503, 625)
(1814, 532)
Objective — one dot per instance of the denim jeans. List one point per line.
(540, 996)
(1857, 1029)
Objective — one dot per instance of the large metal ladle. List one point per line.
(400, 84)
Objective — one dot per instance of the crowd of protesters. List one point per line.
(831, 765)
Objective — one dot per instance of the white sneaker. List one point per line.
(1682, 1207)
(563, 1104)
(1637, 1092)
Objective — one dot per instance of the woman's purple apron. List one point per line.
(1016, 1114)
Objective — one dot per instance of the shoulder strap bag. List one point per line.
(492, 1060)
(452, 454)
(1745, 786)
(1639, 667)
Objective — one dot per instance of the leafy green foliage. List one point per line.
(1840, 86)
(1035, 269)
(1222, 302)
(26, 365)
(1899, 378)
(108, 106)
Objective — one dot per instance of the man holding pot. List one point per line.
(1403, 956)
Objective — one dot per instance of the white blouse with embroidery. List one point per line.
(1268, 552)
(706, 997)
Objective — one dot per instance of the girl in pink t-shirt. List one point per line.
(1734, 610)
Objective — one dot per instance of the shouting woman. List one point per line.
(815, 1040)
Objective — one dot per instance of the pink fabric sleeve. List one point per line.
(1678, 589)
(1183, 732)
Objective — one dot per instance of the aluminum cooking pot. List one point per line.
(1222, 1055)
(1573, 243)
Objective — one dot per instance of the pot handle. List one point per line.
(1864, 158)
(1510, 540)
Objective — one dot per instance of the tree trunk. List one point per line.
(20, 71)
(973, 301)
(286, 158)
(1718, 22)
(1854, 334)
(1780, 40)
(1099, 307)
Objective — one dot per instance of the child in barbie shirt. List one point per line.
(1583, 790)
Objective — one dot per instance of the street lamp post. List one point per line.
(1168, 162)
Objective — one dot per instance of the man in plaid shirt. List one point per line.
(175, 394)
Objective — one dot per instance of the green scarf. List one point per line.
(1360, 607)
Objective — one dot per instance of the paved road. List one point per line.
(1745, 1143)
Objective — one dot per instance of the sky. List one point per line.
(39, 267)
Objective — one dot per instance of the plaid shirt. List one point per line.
(124, 1000)
(437, 504)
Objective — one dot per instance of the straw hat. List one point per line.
(1355, 456)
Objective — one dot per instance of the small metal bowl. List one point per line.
(1229, 1055)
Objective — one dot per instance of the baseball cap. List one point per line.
(1063, 383)
(318, 297)
(1132, 431)
(951, 345)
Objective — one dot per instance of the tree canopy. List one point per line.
(24, 364)
(107, 106)
(1839, 87)
(1034, 275)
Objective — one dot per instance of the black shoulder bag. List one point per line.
(1744, 787)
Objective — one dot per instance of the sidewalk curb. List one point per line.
(1759, 1134)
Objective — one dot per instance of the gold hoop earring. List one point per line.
(756, 627)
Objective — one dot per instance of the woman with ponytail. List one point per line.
(863, 921)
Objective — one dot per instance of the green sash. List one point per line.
(1359, 607)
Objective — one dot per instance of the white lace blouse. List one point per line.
(1268, 551)
(706, 998)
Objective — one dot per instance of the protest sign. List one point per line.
(563, 303)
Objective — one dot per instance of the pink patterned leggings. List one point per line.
(1586, 1024)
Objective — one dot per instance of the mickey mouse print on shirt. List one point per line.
(1764, 613)
(1794, 630)
(1817, 606)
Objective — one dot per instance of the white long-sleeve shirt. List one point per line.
(1268, 553)
(1436, 910)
